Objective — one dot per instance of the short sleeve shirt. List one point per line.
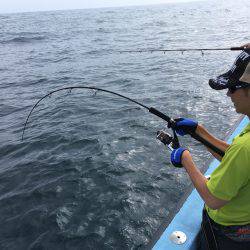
(230, 181)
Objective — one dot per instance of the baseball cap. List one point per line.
(238, 76)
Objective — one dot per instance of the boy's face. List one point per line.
(241, 100)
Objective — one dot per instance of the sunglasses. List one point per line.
(234, 88)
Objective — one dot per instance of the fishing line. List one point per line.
(170, 121)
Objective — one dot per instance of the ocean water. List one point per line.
(89, 173)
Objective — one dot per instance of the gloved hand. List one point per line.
(183, 125)
(176, 157)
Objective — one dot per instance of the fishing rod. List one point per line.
(245, 48)
(171, 122)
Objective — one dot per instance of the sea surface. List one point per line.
(90, 173)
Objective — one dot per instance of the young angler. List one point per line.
(226, 214)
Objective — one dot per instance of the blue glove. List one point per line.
(183, 125)
(176, 157)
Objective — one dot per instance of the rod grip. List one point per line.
(240, 48)
(160, 114)
(206, 143)
(171, 122)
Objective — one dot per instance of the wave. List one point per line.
(66, 58)
(23, 39)
(9, 109)
(37, 81)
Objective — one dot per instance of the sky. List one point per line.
(10, 6)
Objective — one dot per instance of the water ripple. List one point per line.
(90, 174)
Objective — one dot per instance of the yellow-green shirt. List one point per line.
(230, 181)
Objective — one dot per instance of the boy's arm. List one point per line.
(199, 181)
(222, 145)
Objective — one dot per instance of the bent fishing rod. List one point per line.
(171, 122)
(245, 48)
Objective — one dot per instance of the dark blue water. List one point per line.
(90, 173)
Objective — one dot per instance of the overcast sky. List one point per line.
(9, 6)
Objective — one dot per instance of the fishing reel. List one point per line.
(168, 140)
